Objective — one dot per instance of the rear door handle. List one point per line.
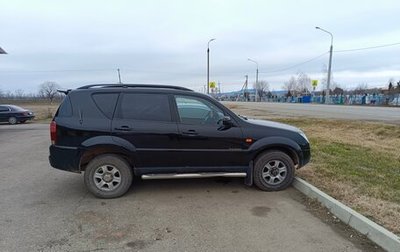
(123, 128)
(190, 133)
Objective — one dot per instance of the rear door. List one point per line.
(145, 120)
(4, 113)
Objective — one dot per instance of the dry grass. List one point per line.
(44, 111)
(356, 162)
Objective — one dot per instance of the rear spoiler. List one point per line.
(64, 91)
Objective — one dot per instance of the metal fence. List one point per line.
(378, 100)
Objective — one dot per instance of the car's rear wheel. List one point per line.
(108, 176)
(12, 120)
(273, 171)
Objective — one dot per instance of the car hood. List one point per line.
(273, 125)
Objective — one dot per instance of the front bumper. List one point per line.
(306, 156)
(25, 118)
(65, 158)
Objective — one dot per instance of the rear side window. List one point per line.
(106, 102)
(65, 109)
(148, 107)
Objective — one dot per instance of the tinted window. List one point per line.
(106, 102)
(65, 109)
(3, 108)
(193, 110)
(149, 107)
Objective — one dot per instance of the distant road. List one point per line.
(367, 113)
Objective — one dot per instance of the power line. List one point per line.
(367, 48)
(296, 65)
(338, 51)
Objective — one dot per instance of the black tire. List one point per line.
(269, 174)
(12, 120)
(105, 165)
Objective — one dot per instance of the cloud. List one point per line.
(80, 42)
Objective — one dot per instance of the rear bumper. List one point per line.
(65, 158)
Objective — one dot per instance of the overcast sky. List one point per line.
(81, 42)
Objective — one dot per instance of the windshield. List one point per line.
(16, 108)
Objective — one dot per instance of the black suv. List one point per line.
(115, 132)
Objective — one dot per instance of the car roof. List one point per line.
(151, 86)
(12, 106)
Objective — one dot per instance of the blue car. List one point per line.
(14, 114)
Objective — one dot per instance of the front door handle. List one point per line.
(123, 128)
(190, 133)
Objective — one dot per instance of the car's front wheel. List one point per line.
(273, 171)
(108, 176)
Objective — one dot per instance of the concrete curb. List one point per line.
(376, 233)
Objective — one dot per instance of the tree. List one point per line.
(398, 87)
(338, 91)
(297, 85)
(361, 88)
(290, 86)
(48, 90)
(390, 87)
(19, 93)
(303, 83)
(261, 88)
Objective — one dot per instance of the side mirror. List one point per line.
(227, 121)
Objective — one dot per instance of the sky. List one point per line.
(75, 43)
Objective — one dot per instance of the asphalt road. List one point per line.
(44, 209)
(366, 113)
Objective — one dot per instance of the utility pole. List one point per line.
(327, 100)
(256, 95)
(245, 87)
(119, 77)
(208, 65)
(219, 87)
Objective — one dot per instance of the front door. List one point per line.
(203, 139)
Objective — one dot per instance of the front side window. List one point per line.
(147, 107)
(4, 109)
(193, 110)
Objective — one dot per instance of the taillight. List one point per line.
(53, 132)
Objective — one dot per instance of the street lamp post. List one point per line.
(327, 100)
(208, 65)
(256, 96)
(2, 51)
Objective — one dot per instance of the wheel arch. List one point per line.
(285, 145)
(101, 145)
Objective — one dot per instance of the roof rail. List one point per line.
(133, 86)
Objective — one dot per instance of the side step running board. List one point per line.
(194, 175)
